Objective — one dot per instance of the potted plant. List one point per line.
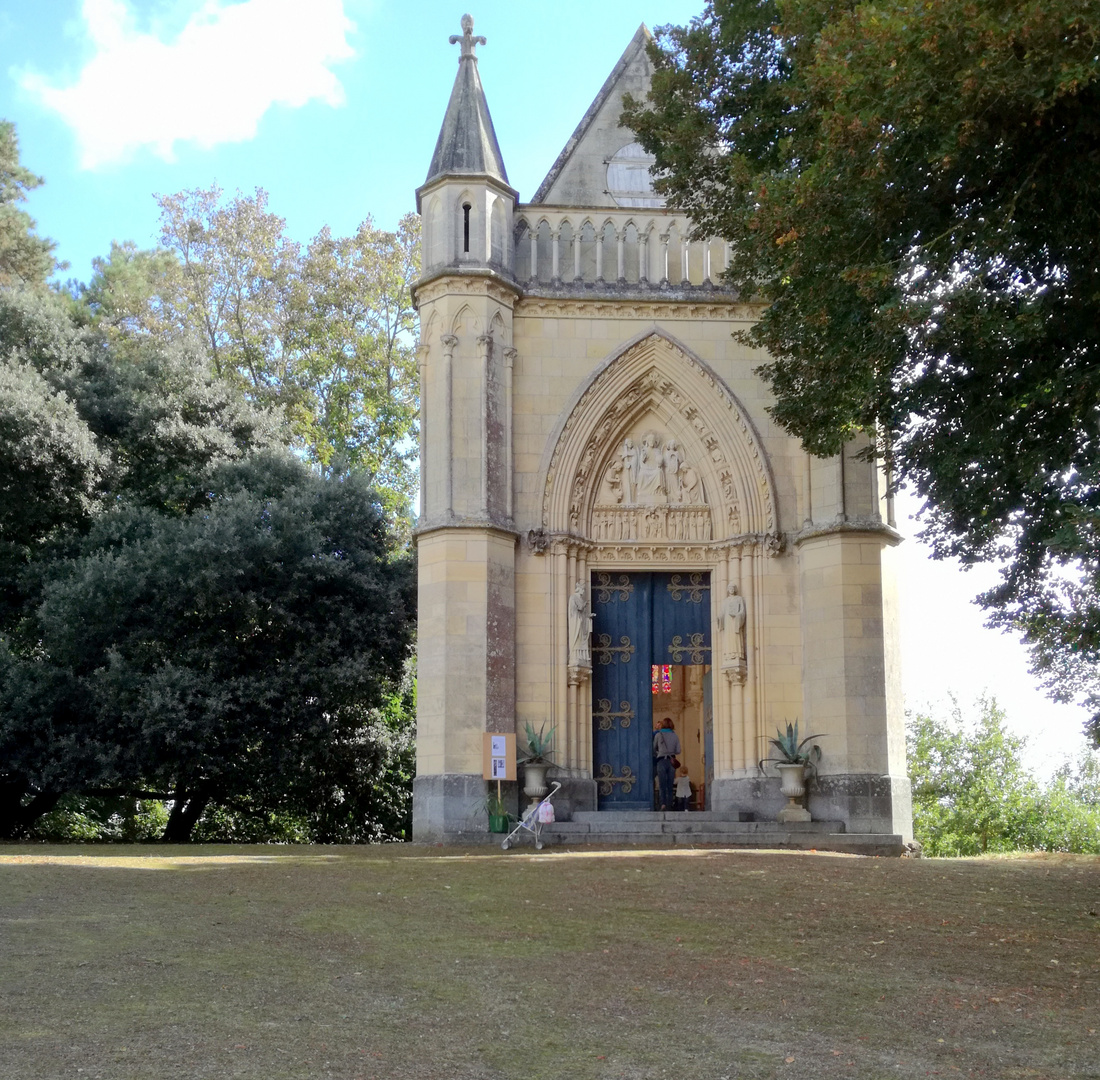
(536, 758)
(498, 813)
(794, 761)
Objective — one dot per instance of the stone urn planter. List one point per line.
(794, 764)
(535, 786)
(537, 757)
(792, 782)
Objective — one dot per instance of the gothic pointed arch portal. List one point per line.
(655, 467)
(606, 480)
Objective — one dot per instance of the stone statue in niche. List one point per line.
(580, 628)
(731, 621)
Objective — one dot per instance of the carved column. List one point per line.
(555, 273)
(643, 256)
(599, 255)
(620, 241)
(534, 254)
(449, 343)
(510, 355)
(422, 361)
(685, 259)
(485, 345)
(664, 238)
(577, 253)
(807, 492)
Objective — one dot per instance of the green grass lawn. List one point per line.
(143, 963)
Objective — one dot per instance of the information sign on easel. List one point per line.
(499, 756)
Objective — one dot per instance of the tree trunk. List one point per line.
(16, 820)
(187, 808)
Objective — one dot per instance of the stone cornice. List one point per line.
(470, 525)
(870, 527)
(465, 281)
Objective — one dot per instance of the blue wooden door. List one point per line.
(621, 725)
(639, 620)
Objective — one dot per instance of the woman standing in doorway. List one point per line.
(666, 745)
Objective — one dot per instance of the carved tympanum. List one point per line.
(651, 492)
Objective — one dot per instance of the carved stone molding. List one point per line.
(675, 307)
(607, 554)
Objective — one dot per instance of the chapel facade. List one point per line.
(612, 527)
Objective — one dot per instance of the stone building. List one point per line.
(612, 527)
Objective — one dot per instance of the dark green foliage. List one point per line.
(911, 187)
(972, 793)
(189, 613)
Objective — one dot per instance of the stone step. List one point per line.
(725, 828)
(761, 834)
(664, 821)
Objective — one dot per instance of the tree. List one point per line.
(972, 793)
(25, 259)
(325, 335)
(232, 653)
(83, 426)
(911, 189)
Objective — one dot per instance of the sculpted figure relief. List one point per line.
(674, 463)
(629, 457)
(731, 621)
(651, 473)
(580, 628)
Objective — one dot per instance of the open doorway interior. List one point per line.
(681, 692)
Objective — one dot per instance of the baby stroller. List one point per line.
(533, 819)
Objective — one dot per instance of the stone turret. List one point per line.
(465, 297)
(466, 203)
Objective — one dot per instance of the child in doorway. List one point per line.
(683, 789)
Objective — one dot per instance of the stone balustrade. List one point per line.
(633, 246)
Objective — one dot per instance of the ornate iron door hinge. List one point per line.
(607, 779)
(694, 645)
(607, 718)
(695, 586)
(603, 650)
(605, 587)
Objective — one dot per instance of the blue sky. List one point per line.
(333, 107)
(131, 73)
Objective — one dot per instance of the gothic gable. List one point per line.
(580, 175)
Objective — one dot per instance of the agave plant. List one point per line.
(792, 750)
(540, 744)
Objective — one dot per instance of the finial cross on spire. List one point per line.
(468, 39)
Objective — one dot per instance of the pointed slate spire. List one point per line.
(467, 142)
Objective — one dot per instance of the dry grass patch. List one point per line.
(139, 963)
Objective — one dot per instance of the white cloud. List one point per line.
(210, 84)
